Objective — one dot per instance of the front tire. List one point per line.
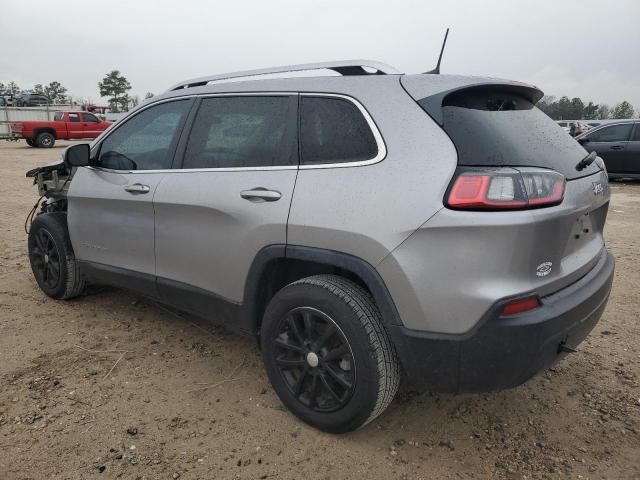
(53, 263)
(45, 140)
(327, 354)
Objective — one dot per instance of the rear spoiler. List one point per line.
(431, 91)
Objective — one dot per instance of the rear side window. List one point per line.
(613, 133)
(243, 131)
(636, 134)
(333, 130)
(147, 140)
(58, 117)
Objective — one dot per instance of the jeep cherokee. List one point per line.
(361, 226)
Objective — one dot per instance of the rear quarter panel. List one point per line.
(30, 128)
(366, 211)
(458, 265)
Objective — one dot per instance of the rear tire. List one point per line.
(45, 140)
(53, 263)
(327, 354)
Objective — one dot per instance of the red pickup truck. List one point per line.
(65, 126)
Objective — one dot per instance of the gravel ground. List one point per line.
(68, 411)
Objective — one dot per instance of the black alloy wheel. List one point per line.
(327, 354)
(53, 263)
(45, 258)
(315, 359)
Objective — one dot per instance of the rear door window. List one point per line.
(613, 133)
(636, 134)
(147, 140)
(58, 117)
(334, 130)
(74, 117)
(243, 132)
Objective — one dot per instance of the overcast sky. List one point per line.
(587, 48)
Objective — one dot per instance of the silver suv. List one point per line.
(364, 226)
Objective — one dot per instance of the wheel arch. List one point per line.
(278, 265)
(40, 130)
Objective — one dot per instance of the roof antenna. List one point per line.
(436, 71)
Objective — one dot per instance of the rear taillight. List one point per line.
(505, 189)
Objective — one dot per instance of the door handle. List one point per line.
(137, 188)
(260, 194)
(616, 147)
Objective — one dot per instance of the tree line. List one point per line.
(114, 86)
(576, 109)
(54, 91)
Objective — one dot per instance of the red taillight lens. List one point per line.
(506, 189)
(520, 306)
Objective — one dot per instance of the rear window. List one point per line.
(493, 127)
(333, 130)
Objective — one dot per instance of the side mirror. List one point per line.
(77, 156)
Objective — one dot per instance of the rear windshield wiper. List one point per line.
(586, 161)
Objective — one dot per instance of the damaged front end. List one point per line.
(53, 182)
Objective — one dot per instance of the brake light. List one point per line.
(506, 189)
(520, 306)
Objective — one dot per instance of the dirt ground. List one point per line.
(74, 405)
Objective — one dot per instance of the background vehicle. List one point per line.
(618, 144)
(356, 225)
(30, 100)
(566, 125)
(65, 126)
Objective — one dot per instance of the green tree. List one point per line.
(148, 95)
(590, 111)
(623, 110)
(548, 105)
(39, 89)
(577, 108)
(3, 89)
(115, 86)
(125, 102)
(12, 88)
(56, 92)
(604, 112)
(564, 109)
(134, 101)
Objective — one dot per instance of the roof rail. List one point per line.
(345, 67)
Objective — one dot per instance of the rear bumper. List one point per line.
(504, 352)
